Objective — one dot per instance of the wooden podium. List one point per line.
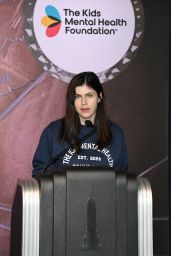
(82, 212)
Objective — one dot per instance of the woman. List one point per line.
(73, 142)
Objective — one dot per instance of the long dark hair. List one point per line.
(71, 125)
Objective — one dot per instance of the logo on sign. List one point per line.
(52, 21)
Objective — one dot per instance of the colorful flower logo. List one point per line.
(52, 21)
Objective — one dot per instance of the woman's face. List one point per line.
(86, 101)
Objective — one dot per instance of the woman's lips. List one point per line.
(85, 110)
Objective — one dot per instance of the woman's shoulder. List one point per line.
(115, 128)
(54, 126)
(114, 125)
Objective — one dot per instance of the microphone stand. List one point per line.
(88, 123)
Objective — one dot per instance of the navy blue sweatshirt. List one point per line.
(114, 155)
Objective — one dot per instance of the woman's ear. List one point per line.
(100, 97)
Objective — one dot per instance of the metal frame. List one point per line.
(30, 218)
(145, 218)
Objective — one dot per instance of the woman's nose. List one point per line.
(83, 102)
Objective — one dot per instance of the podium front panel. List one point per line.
(82, 212)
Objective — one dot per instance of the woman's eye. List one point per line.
(90, 95)
(77, 96)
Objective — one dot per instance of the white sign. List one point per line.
(77, 36)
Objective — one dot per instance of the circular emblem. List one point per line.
(72, 37)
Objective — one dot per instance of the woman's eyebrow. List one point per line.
(85, 93)
(90, 93)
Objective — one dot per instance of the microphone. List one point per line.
(88, 123)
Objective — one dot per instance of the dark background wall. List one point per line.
(137, 100)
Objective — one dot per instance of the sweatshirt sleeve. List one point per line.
(120, 154)
(122, 164)
(42, 154)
